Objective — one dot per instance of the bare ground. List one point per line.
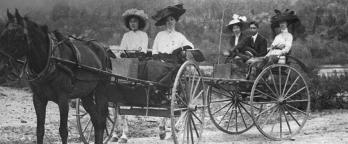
(18, 125)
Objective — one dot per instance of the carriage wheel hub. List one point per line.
(281, 100)
(192, 107)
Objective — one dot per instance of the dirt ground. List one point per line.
(18, 126)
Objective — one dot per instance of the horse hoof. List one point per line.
(162, 136)
(114, 139)
(122, 140)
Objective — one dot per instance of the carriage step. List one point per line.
(144, 111)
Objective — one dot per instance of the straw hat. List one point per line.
(140, 14)
(236, 20)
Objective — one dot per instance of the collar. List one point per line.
(170, 30)
(254, 36)
(285, 31)
(238, 35)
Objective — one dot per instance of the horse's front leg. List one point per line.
(40, 109)
(102, 112)
(63, 104)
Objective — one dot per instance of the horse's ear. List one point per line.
(18, 17)
(44, 28)
(277, 11)
(10, 16)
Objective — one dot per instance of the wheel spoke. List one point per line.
(265, 94)
(269, 116)
(245, 110)
(266, 110)
(280, 122)
(192, 85)
(181, 118)
(180, 98)
(269, 87)
(286, 82)
(184, 90)
(197, 84)
(192, 140)
(199, 94)
(222, 108)
(291, 101)
(194, 126)
(226, 113)
(292, 85)
(280, 81)
(286, 119)
(295, 93)
(236, 119)
(297, 109)
(240, 111)
(292, 116)
(274, 83)
(229, 120)
(84, 130)
(197, 118)
(266, 102)
(90, 134)
(250, 105)
(109, 118)
(222, 94)
(224, 100)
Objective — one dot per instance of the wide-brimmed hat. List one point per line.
(176, 11)
(140, 14)
(240, 21)
(288, 16)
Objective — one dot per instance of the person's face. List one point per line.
(134, 23)
(236, 29)
(283, 25)
(253, 29)
(170, 22)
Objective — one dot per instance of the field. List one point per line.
(18, 125)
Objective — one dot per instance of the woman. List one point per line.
(166, 51)
(135, 39)
(282, 43)
(167, 46)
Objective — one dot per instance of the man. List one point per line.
(254, 45)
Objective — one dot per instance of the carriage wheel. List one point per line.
(284, 92)
(188, 105)
(229, 110)
(85, 126)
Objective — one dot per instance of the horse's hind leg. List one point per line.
(40, 109)
(63, 104)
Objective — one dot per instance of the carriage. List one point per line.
(277, 101)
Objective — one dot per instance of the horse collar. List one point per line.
(49, 67)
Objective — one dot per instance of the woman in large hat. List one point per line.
(169, 40)
(136, 22)
(236, 26)
(282, 42)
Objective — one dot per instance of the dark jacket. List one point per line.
(241, 38)
(260, 45)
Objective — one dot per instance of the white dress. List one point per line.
(284, 38)
(135, 40)
(167, 41)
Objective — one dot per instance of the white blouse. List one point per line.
(135, 40)
(285, 39)
(167, 41)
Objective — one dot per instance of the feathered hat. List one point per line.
(140, 14)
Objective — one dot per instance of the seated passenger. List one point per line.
(135, 40)
(166, 49)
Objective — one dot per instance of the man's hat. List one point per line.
(176, 11)
(140, 14)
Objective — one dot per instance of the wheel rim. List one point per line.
(85, 126)
(188, 105)
(228, 110)
(284, 92)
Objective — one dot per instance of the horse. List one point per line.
(51, 79)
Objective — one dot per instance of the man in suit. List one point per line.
(254, 45)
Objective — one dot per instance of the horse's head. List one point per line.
(14, 45)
